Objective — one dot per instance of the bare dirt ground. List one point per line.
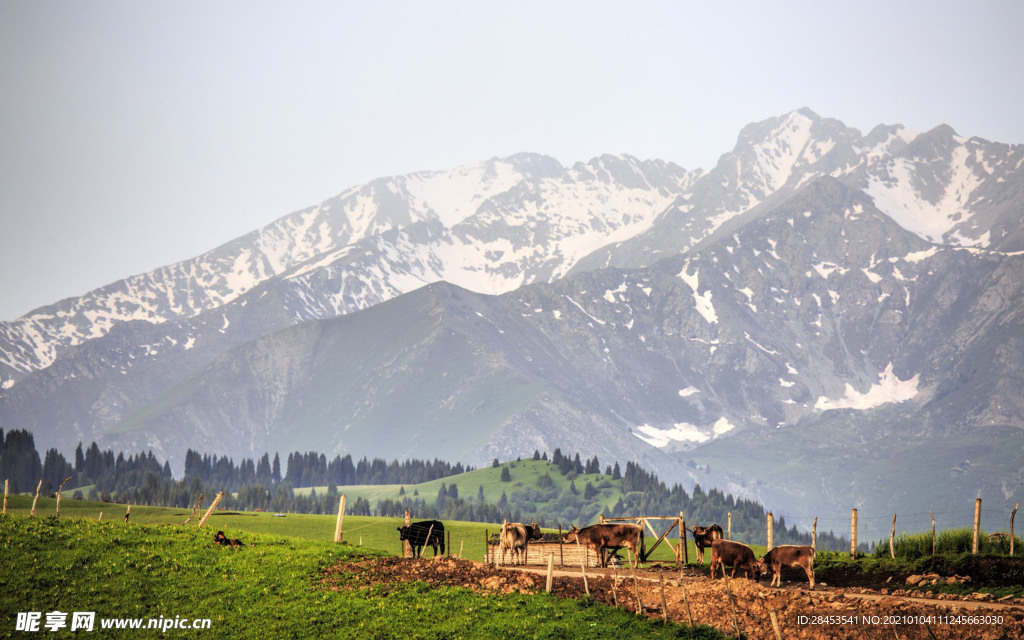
(822, 613)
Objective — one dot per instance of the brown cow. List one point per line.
(787, 555)
(703, 537)
(737, 555)
(514, 539)
(598, 537)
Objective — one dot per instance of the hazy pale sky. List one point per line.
(138, 134)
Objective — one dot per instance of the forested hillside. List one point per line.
(552, 491)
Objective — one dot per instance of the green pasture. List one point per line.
(368, 532)
(273, 589)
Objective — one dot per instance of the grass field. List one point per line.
(154, 568)
(359, 531)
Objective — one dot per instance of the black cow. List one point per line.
(221, 539)
(419, 534)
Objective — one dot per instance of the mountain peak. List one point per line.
(807, 113)
(535, 165)
(934, 143)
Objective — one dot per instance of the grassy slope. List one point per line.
(524, 476)
(269, 590)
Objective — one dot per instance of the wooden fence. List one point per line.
(538, 552)
(570, 554)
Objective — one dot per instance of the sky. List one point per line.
(135, 135)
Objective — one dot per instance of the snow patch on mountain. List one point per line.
(702, 301)
(896, 192)
(889, 389)
(680, 432)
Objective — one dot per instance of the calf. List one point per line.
(703, 537)
(738, 556)
(598, 537)
(419, 534)
(787, 556)
(514, 539)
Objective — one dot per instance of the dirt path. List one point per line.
(818, 614)
(861, 594)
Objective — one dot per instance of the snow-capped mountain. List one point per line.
(491, 227)
(818, 296)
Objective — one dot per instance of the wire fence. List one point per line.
(874, 528)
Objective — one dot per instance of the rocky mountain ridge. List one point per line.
(816, 295)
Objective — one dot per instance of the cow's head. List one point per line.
(534, 532)
(403, 533)
(698, 531)
(571, 535)
(760, 568)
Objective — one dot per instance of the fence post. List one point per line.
(7, 481)
(197, 506)
(892, 534)
(682, 526)
(583, 564)
(732, 603)
(853, 534)
(775, 625)
(1012, 516)
(338, 531)
(60, 490)
(561, 556)
(771, 532)
(664, 603)
(39, 488)
(977, 524)
(933, 532)
(728, 534)
(814, 534)
(209, 512)
(408, 545)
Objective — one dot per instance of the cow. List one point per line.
(221, 539)
(787, 555)
(419, 534)
(598, 537)
(738, 556)
(514, 539)
(703, 537)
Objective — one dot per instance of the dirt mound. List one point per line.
(819, 614)
(387, 573)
